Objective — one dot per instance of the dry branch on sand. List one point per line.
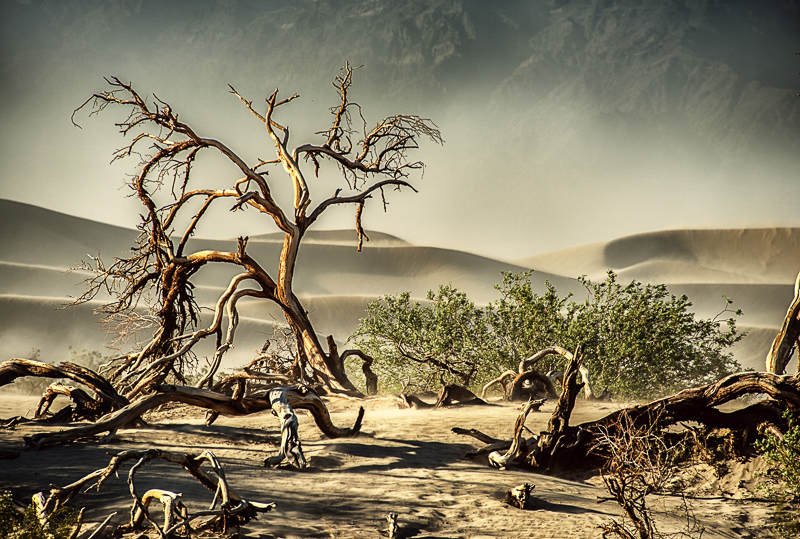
(281, 401)
(105, 400)
(233, 509)
(449, 395)
(563, 446)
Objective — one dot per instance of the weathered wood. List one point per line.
(500, 380)
(393, 530)
(234, 509)
(478, 435)
(565, 447)
(588, 389)
(12, 369)
(559, 420)
(160, 264)
(171, 503)
(527, 363)
(518, 445)
(366, 367)
(85, 407)
(452, 394)
(449, 395)
(298, 397)
(691, 405)
(516, 390)
(787, 338)
(290, 449)
(519, 496)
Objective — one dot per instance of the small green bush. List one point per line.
(638, 340)
(419, 345)
(15, 525)
(782, 484)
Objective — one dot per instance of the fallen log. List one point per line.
(452, 394)
(12, 369)
(519, 496)
(449, 395)
(566, 447)
(298, 397)
(84, 406)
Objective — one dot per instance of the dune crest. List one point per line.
(746, 255)
(754, 267)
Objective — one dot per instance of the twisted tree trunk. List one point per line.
(787, 338)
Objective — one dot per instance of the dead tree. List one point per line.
(233, 509)
(565, 447)
(163, 262)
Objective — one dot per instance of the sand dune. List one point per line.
(759, 255)
(335, 282)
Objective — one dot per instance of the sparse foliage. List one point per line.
(60, 524)
(637, 340)
(782, 454)
(420, 345)
(639, 462)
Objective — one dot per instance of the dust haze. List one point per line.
(565, 123)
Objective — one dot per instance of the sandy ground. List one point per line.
(405, 461)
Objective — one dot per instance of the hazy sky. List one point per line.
(565, 122)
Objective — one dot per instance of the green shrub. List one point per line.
(637, 340)
(641, 341)
(15, 525)
(782, 456)
(417, 346)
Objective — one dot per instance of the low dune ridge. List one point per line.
(337, 237)
(334, 281)
(754, 267)
(747, 255)
(41, 326)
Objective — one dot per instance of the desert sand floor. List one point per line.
(404, 461)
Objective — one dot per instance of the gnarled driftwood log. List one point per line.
(298, 397)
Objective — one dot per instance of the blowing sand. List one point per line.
(404, 461)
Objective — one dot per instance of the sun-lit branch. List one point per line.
(157, 274)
